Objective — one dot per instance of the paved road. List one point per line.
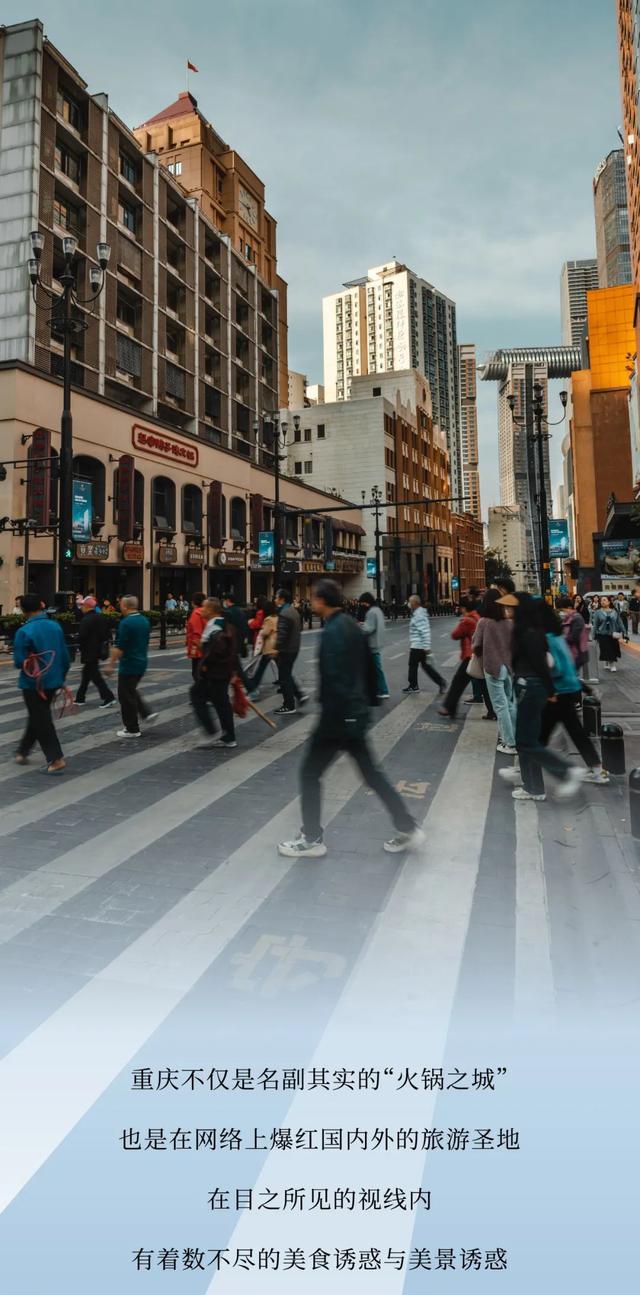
(143, 892)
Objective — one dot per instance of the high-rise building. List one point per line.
(612, 221)
(227, 190)
(629, 51)
(576, 280)
(392, 320)
(296, 389)
(508, 538)
(469, 431)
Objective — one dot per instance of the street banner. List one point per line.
(558, 537)
(82, 510)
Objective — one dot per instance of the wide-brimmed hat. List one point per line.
(507, 600)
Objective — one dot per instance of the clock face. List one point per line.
(248, 207)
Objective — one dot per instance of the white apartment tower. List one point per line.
(469, 431)
(577, 278)
(394, 320)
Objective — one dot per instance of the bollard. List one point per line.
(612, 748)
(634, 803)
(163, 630)
(591, 715)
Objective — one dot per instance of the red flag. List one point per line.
(191, 67)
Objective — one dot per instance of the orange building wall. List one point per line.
(611, 335)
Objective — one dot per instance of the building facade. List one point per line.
(576, 280)
(612, 221)
(296, 389)
(384, 437)
(392, 320)
(469, 430)
(509, 539)
(175, 367)
(226, 189)
(468, 552)
(629, 54)
(600, 429)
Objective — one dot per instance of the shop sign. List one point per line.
(164, 447)
(93, 551)
(230, 559)
(195, 555)
(132, 551)
(167, 554)
(291, 567)
(349, 566)
(311, 566)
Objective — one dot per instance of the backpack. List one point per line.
(219, 650)
(563, 671)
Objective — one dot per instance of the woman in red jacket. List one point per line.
(195, 626)
(463, 632)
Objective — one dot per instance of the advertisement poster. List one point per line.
(319, 912)
(558, 537)
(620, 558)
(82, 510)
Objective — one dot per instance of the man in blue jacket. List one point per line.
(41, 655)
(347, 690)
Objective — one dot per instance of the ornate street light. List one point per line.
(538, 437)
(273, 437)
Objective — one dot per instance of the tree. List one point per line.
(494, 566)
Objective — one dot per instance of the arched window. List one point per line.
(238, 519)
(86, 468)
(191, 510)
(163, 504)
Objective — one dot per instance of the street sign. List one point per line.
(455, 583)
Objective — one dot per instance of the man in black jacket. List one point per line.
(288, 647)
(94, 636)
(347, 690)
(235, 616)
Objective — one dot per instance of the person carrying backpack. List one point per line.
(576, 632)
(218, 664)
(568, 695)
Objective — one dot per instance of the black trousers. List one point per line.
(563, 711)
(213, 692)
(91, 674)
(534, 757)
(320, 753)
(132, 705)
(40, 727)
(457, 686)
(419, 657)
(288, 685)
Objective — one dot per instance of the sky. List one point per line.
(460, 137)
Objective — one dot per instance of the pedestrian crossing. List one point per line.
(159, 867)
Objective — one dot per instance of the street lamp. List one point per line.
(67, 316)
(538, 437)
(376, 499)
(274, 438)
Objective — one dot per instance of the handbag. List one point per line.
(474, 668)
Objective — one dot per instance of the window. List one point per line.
(68, 163)
(175, 168)
(65, 215)
(238, 519)
(128, 356)
(126, 314)
(68, 109)
(377, 391)
(191, 510)
(163, 504)
(127, 216)
(320, 431)
(307, 433)
(297, 434)
(297, 468)
(128, 169)
(308, 466)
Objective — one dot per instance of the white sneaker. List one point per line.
(124, 732)
(151, 719)
(506, 750)
(511, 774)
(521, 794)
(569, 785)
(599, 776)
(302, 849)
(613, 668)
(405, 841)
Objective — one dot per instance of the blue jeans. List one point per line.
(381, 682)
(502, 699)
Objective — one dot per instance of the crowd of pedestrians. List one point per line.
(519, 656)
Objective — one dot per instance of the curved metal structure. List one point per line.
(559, 361)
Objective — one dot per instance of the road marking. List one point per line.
(534, 989)
(84, 1045)
(409, 967)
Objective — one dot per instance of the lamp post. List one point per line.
(376, 499)
(67, 316)
(539, 436)
(274, 438)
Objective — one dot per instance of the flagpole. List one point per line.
(187, 76)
